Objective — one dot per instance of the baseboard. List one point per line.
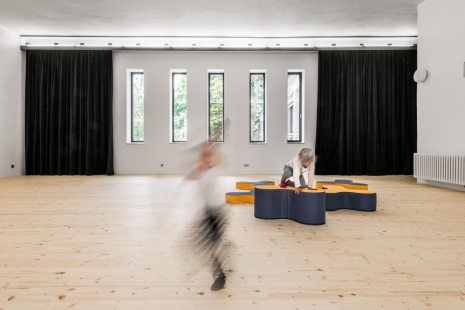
(443, 185)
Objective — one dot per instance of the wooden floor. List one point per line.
(113, 243)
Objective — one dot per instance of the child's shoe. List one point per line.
(284, 185)
(219, 283)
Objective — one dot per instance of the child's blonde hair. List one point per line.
(306, 155)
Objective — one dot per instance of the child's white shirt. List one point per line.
(299, 170)
(208, 182)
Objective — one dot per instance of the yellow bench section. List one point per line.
(240, 197)
(344, 183)
(251, 185)
(333, 189)
(245, 197)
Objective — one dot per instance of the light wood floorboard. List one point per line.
(76, 242)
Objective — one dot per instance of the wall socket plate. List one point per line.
(161, 165)
(12, 166)
(246, 165)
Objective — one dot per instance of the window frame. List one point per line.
(210, 73)
(257, 72)
(299, 73)
(130, 105)
(173, 73)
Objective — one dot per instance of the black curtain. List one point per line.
(367, 112)
(69, 127)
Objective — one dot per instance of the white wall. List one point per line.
(266, 158)
(11, 105)
(441, 98)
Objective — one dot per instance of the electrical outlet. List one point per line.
(246, 165)
(161, 165)
(12, 166)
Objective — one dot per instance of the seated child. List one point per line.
(304, 163)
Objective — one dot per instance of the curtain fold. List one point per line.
(69, 117)
(367, 112)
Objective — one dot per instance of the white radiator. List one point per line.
(439, 167)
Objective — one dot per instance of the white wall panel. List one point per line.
(441, 98)
(11, 105)
(266, 158)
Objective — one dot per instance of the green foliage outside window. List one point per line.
(138, 106)
(180, 107)
(257, 105)
(216, 107)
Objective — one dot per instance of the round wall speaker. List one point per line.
(420, 75)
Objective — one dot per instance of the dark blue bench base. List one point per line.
(272, 202)
(351, 201)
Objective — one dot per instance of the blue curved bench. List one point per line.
(339, 197)
(273, 202)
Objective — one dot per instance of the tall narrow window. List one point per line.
(294, 106)
(257, 107)
(179, 107)
(137, 107)
(216, 107)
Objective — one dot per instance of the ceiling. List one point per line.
(237, 18)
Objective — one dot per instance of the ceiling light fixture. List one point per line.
(231, 43)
